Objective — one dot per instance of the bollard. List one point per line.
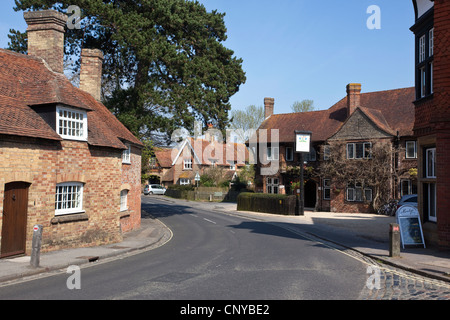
(394, 240)
(36, 246)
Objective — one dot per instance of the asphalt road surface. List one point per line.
(212, 256)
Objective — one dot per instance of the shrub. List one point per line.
(267, 203)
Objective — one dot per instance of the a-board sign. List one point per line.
(410, 227)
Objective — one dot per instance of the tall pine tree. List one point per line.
(165, 63)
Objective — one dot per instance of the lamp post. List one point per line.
(302, 146)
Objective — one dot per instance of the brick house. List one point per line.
(179, 165)
(66, 162)
(357, 121)
(432, 116)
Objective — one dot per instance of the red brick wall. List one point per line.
(44, 164)
(131, 180)
(442, 116)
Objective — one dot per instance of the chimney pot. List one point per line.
(46, 37)
(91, 72)
(353, 97)
(268, 107)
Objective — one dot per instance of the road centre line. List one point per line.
(209, 220)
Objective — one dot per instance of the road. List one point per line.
(212, 256)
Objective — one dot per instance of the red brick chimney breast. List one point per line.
(46, 37)
(91, 72)
(269, 104)
(353, 97)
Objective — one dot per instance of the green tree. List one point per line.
(165, 63)
(303, 106)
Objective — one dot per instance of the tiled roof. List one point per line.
(211, 152)
(18, 119)
(391, 111)
(27, 82)
(164, 157)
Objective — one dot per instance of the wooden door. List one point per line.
(14, 219)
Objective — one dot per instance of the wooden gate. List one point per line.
(15, 207)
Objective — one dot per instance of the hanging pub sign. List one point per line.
(410, 227)
(302, 141)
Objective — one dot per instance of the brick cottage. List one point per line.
(66, 162)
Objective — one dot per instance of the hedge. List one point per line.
(267, 203)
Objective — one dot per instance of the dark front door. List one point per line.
(14, 219)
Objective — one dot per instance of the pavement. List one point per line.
(366, 234)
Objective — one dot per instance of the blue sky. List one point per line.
(297, 49)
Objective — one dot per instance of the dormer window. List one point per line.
(126, 155)
(71, 124)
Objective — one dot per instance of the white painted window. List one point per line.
(360, 150)
(187, 164)
(356, 193)
(273, 185)
(185, 182)
(273, 153)
(423, 81)
(411, 150)
(71, 124)
(430, 169)
(124, 200)
(422, 48)
(69, 198)
(126, 155)
(431, 43)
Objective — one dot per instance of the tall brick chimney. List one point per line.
(268, 107)
(46, 37)
(91, 72)
(353, 97)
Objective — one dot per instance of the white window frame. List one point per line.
(366, 150)
(70, 120)
(273, 153)
(273, 185)
(289, 154)
(185, 182)
(423, 81)
(232, 165)
(414, 155)
(430, 164)
(431, 42)
(353, 189)
(326, 189)
(187, 164)
(65, 203)
(422, 48)
(124, 200)
(126, 155)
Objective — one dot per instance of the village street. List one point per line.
(217, 256)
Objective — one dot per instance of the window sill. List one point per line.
(124, 214)
(66, 218)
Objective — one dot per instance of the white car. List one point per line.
(154, 189)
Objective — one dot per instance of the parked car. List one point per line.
(154, 189)
(410, 199)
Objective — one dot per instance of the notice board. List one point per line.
(410, 227)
